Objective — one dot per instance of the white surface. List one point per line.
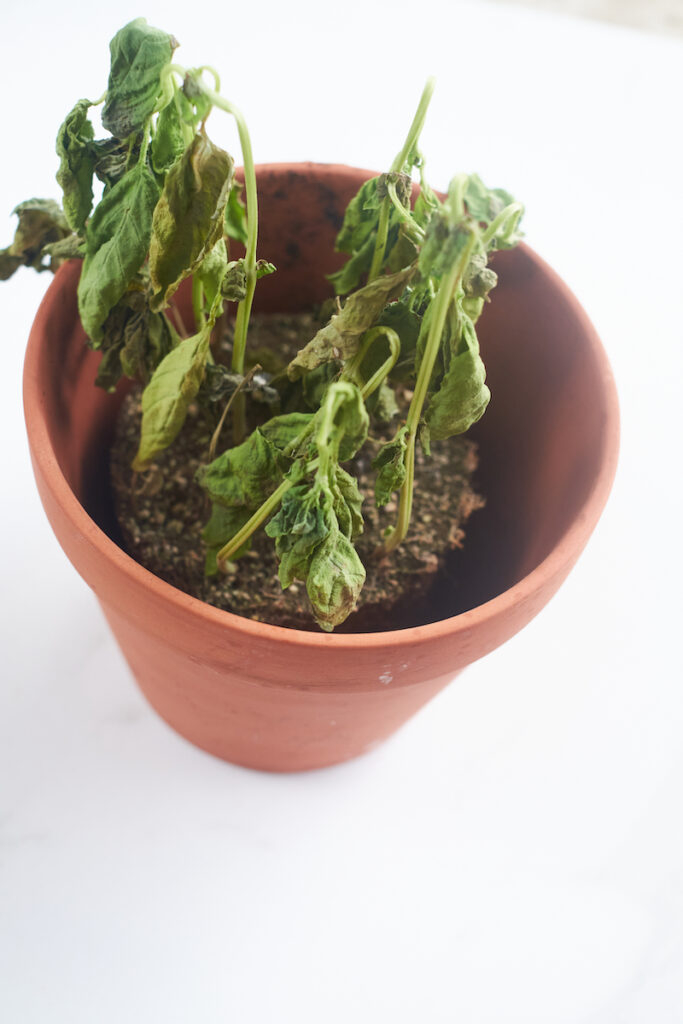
(515, 854)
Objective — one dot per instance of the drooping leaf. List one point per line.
(41, 222)
(139, 53)
(298, 528)
(462, 396)
(212, 270)
(234, 283)
(168, 142)
(382, 404)
(236, 215)
(117, 240)
(348, 502)
(391, 463)
(478, 282)
(111, 159)
(400, 318)
(70, 248)
(335, 580)
(283, 430)
(443, 245)
(197, 103)
(188, 220)
(245, 475)
(76, 164)
(351, 422)
(9, 264)
(354, 270)
(357, 227)
(168, 395)
(341, 336)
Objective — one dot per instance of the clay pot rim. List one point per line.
(563, 554)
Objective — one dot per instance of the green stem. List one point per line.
(510, 212)
(441, 302)
(400, 162)
(352, 369)
(261, 514)
(244, 307)
(416, 231)
(198, 303)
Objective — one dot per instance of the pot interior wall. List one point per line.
(539, 441)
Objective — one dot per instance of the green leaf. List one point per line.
(234, 283)
(283, 430)
(391, 463)
(41, 222)
(139, 53)
(264, 269)
(245, 475)
(236, 215)
(111, 159)
(168, 395)
(188, 220)
(350, 423)
(298, 529)
(351, 274)
(70, 248)
(348, 502)
(212, 270)
(168, 143)
(357, 226)
(382, 404)
(339, 339)
(462, 396)
(117, 240)
(76, 164)
(335, 580)
(479, 280)
(9, 264)
(443, 245)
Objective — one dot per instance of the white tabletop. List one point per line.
(515, 854)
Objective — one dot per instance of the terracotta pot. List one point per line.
(285, 700)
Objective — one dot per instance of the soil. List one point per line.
(162, 513)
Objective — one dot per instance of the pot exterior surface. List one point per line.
(282, 699)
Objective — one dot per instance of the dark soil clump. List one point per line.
(162, 513)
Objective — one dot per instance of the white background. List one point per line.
(515, 854)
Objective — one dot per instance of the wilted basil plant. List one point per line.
(409, 295)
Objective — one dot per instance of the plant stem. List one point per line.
(513, 210)
(352, 368)
(441, 302)
(244, 307)
(402, 159)
(261, 514)
(198, 303)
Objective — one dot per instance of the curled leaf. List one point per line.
(245, 475)
(236, 215)
(117, 240)
(341, 336)
(335, 580)
(168, 395)
(41, 222)
(391, 463)
(76, 164)
(139, 53)
(134, 343)
(168, 142)
(298, 528)
(462, 395)
(188, 219)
